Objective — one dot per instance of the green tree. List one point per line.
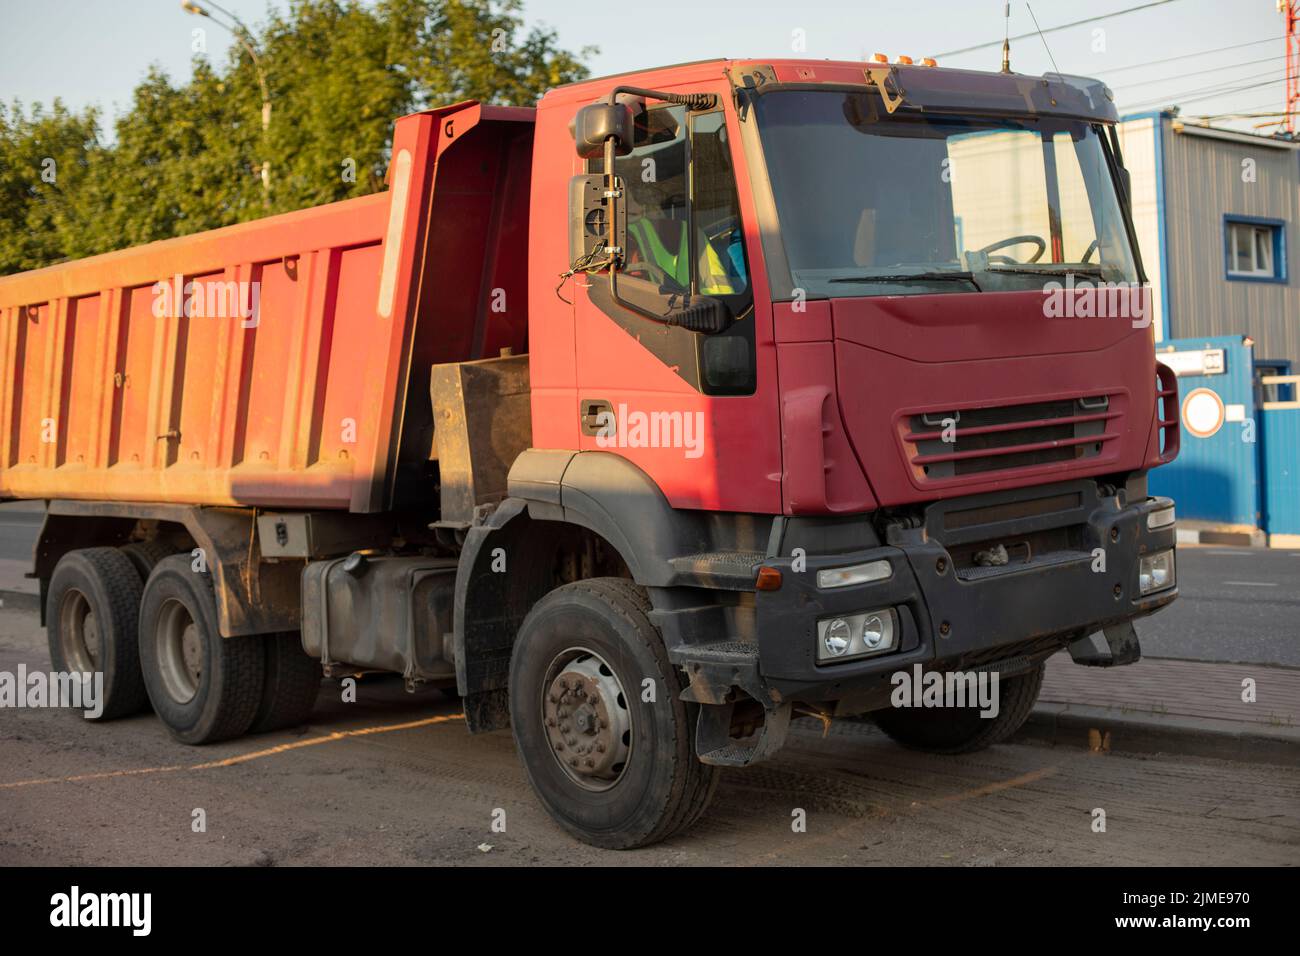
(45, 159)
(188, 157)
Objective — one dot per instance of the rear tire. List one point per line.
(291, 684)
(612, 770)
(204, 687)
(951, 730)
(145, 555)
(90, 611)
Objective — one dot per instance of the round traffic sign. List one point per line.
(1203, 412)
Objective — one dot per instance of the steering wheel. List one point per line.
(1087, 253)
(1014, 241)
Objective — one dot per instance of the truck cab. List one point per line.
(910, 425)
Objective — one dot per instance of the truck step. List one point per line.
(717, 748)
(740, 653)
(728, 570)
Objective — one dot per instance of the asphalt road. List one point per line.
(395, 779)
(1235, 604)
(20, 522)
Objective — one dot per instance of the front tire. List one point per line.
(951, 730)
(612, 769)
(204, 687)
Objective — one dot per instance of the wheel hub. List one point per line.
(588, 723)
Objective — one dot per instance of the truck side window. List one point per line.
(721, 260)
(661, 176)
(683, 223)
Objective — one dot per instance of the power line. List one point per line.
(1184, 56)
(1183, 76)
(1221, 84)
(1205, 94)
(1063, 26)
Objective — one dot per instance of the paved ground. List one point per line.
(395, 779)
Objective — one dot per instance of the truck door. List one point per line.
(691, 409)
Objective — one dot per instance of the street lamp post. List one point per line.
(245, 37)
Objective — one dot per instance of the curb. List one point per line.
(1136, 732)
(19, 600)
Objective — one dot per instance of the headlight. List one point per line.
(854, 574)
(1156, 571)
(1162, 518)
(856, 635)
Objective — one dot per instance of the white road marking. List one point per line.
(1253, 584)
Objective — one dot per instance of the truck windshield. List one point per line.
(877, 204)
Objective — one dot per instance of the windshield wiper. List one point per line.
(914, 277)
(1046, 271)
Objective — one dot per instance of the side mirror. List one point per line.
(596, 122)
(1126, 180)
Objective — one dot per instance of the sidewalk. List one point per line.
(1172, 706)
(17, 591)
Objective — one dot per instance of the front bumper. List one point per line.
(956, 615)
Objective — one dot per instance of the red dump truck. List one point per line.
(690, 402)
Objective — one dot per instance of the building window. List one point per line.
(1254, 249)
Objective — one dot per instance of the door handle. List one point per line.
(595, 414)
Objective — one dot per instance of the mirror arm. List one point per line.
(696, 102)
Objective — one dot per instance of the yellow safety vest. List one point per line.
(715, 280)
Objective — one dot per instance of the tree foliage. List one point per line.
(188, 157)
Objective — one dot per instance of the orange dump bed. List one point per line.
(266, 363)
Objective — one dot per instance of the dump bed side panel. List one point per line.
(261, 364)
(217, 368)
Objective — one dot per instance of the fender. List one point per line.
(662, 547)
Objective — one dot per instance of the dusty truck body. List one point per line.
(689, 402)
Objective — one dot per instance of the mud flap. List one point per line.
(1111, 647)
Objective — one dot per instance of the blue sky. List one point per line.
(95, 51)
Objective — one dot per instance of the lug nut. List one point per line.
(941, 565)
(945, 628)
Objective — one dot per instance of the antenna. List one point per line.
(1043, 38)
(1006, 37)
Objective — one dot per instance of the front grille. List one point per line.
(969, 441)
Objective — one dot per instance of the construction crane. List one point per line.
(1291, 10)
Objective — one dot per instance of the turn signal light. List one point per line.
(769, 579)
